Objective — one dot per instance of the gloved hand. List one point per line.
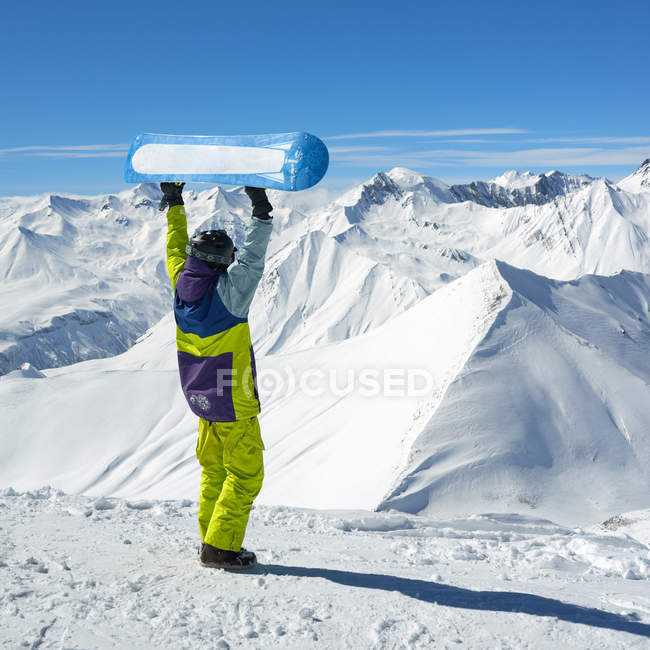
(259, 201)
(172, 195)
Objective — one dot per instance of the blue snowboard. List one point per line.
(281, 161)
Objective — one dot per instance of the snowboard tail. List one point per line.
(282, 161)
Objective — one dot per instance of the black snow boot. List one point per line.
(217, 558)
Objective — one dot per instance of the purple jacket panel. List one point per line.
(196, 279)
(206, 383)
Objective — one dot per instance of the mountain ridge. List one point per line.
(638, 180)
(536, 386)
(67, 259)
(554, 395)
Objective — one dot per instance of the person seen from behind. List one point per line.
(213, 292)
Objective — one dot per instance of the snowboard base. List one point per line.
(283, 161)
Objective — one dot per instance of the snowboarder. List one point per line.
(212, 296)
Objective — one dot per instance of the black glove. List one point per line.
(260, 202)
(172, 195)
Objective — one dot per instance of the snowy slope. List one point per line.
(315, 291)
(76, 282)
(536, 387)
(322, 442)
(637, 181)
(554, 398)
(84, 573)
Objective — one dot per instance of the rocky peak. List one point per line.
(537, 189)
(644, 170)
(380, 189)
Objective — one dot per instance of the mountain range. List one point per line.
(523, 299)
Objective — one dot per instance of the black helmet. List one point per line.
(212, 246)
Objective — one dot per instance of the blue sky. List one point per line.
(456, 90)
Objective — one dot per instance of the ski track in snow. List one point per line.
(82, 572)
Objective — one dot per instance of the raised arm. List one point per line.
(237, 287)
(177, 238)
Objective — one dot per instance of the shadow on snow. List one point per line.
(449, 596)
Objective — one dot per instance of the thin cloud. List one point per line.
(337, 150)
(78, 154)
(427, 134)
(549, 158)
(69, 151)
(475, 141)
(596, 140)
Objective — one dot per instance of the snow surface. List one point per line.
(79, 572)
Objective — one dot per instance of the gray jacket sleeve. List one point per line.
(236, 288)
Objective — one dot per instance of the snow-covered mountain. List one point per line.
(416, 225)
(639, 180)
(533, 388)
(84, 277)
(81, 277)
(534, 352)
(554, 396)
(513, 188)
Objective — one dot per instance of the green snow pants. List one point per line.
(230, 454)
